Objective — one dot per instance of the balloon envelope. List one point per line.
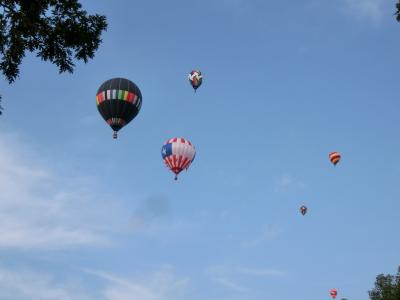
(303, 210)
(334, 157)
(178, 154)
(119, 101)
(333, 293)
(195, 79)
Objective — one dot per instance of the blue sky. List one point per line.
(85, 217)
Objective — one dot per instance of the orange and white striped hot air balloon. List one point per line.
(334, 157)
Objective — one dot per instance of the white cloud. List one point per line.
(228, 283)
(24, 285)
(40, 209)
(230, 277)
(286, 182)
(261, 272)
(268, 234)
(221, 274)
(161, 285)
(44, 209)
(369, 9)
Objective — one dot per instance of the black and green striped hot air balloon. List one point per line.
(119, 101)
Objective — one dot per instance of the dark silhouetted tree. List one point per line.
(398, 10)
(58, 31)
(387, 287)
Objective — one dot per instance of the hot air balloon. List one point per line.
(195, 79)
(119, 101)
(333, 293)
(334, 157)
(303, 210)
(178, 154)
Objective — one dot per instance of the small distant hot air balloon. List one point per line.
(303, 209)
(119, 101)
(178, 154)
(334, 157)
(195, 79)
(333, 293)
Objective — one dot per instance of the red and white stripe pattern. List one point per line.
(333, 293)
(179, 154)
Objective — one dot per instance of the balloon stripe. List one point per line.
(185, 162)
(334, 157)
(110, 95)
(179, 161)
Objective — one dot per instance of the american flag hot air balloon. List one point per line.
(178, 154)
(333, 293)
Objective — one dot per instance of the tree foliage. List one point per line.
(58, 31)
(397, 13)
(387, 287)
